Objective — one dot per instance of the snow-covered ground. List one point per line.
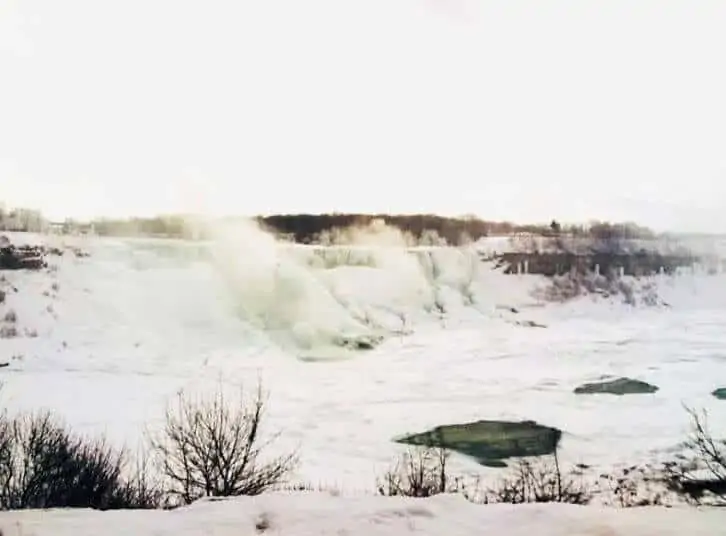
(313, 514)
(119, 333)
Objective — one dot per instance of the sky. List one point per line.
(511, 109)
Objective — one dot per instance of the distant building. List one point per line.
(70, 227)
(55, 227)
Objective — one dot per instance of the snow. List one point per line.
(121, 332)
(319, 514)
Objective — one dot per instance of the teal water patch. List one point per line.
(619, 386)
(490, 442)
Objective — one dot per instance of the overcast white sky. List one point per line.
(522, 110)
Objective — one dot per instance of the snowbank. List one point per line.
(320, 514)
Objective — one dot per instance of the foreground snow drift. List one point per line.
(321, 514)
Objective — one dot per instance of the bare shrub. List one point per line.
(9, 332)
(562, 288)
(541, 481)
(627, 291)
(42, 465)
(418, 473)
(650, 297)
(11, 317)
(208, 449)
(141, 489)
(3, 295)
(635, 486)
(423, 472)
(308, 487)
(699, 475)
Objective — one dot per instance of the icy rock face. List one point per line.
(620, 386)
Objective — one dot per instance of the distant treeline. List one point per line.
(308, 228)
(164, 226)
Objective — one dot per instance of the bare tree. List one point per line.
(211, 449)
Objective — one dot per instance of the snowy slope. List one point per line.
(312, 514)
(119, 333)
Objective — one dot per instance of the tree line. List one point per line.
(309, 228)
